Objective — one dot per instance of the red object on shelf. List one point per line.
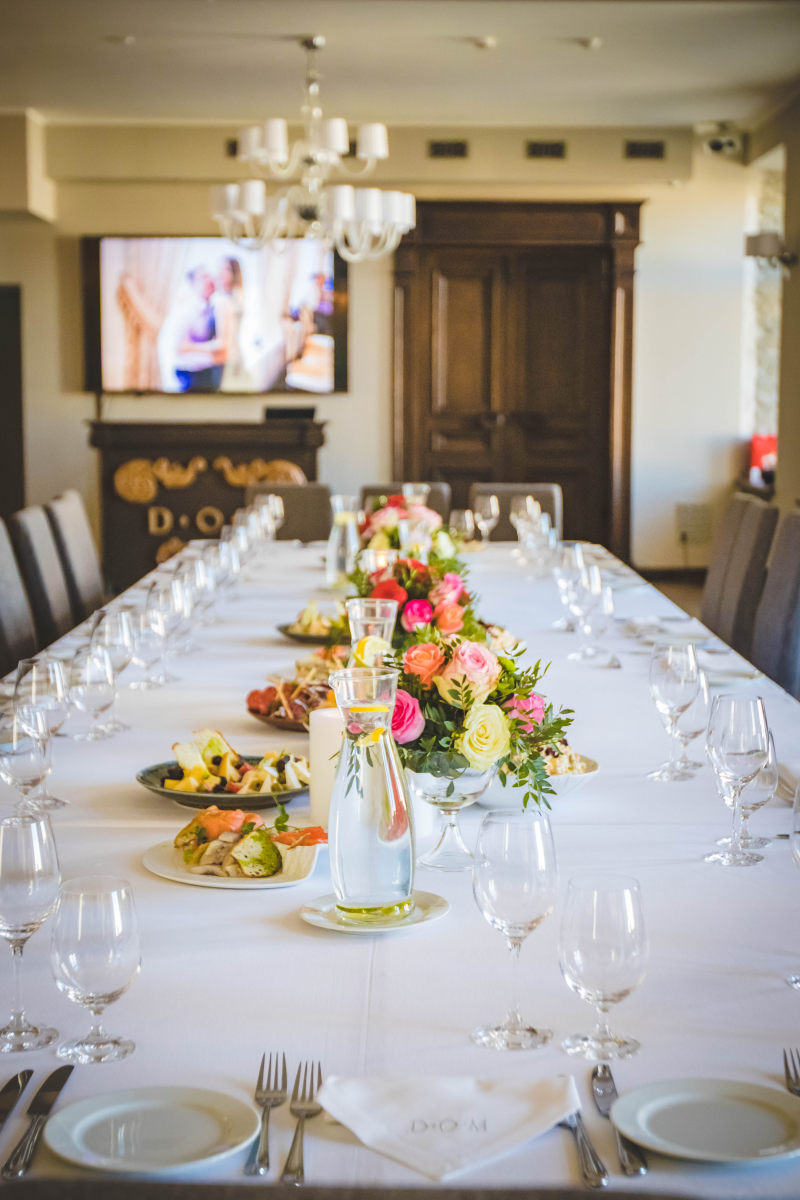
(762, 444)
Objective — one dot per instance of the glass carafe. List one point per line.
(370, 832)
(340, 557)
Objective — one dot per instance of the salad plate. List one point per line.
(711, 1120)
(322, 914)
(305, 639)
(298, 864)
(151, 1130)
(497, 796)
(151, 778)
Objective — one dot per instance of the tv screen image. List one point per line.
(199, 315)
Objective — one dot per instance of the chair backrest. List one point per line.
(775, 649)
(78, 554)
(17, 633)
(721, 552)
(439, 499)
(42, 572)
(307, 509)
(549, 496)
(744, 579)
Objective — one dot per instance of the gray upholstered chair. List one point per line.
(721, 552)
(439, 499)
(744, 579)
(307, 508)
(40, 566)
(549, 496)
(17, 633)
(78, 554)
(775, 648)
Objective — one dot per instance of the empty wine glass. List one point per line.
(113, 632)
(693, 722)
(148, 650)
(603, 956)
(24, 754)
(42, 683)
(95, 954)
(585, 597)
(29, 878)
(92, 689)
(277, 511)
(758, 792)
(673, 687)
(486, 511)
(165, 608)
(567, 571)
(737, 743)
(793, 979)
(462, 522)
(514, 883)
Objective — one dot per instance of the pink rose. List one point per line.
(448, 617)
(418, 514)
(472, 664)
(407, 719)
(526, 706)
(448, 590)
(423, 661)
(416, 612)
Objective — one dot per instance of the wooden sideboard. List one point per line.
(164, 484)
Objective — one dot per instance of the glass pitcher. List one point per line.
(369, 830)
(371, 623)
(340, 557)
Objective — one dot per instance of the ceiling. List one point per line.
(406, 62)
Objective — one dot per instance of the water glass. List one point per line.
(514, 881)
(112, 631)
(29, 879)
(674, 684)
(24, 754)
(737, 744)
(41, 683)
(758, 792)
(486, 511)
(793, 979)
(415, 493)
(462, 523)
(93, 689)
(692, 723)
(603, 956)
(567, 571)
(95, 954)
(371, 628)
(166, 610)
(148, 651)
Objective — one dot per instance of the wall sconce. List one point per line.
(769, 246)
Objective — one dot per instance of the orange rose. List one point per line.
(448, 617)
(424, 661)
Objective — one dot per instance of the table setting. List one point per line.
(251, 1042)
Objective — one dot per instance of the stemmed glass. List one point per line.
(737, 743)
(93, 689)
(112, 631)
(793, 980)
(462, 522)
(29, 878)
(514, 881)
(567, 572)
(756, 794)
(277, 511)
(486, 511)
(673, 687)
(585, 597)
(165, 608)
(25, 756)
(693, 722)
(94, 955)
(41, 699)
(603, 956)
(148, 651)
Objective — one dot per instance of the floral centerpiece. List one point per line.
(381, 529)
(427, 595)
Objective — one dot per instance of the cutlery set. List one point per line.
(271, 1093)
(38, 1111)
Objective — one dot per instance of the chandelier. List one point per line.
(361, 222)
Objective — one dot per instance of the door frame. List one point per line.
(472, 223)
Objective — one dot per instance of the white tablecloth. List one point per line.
(227, 975)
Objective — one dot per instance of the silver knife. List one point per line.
(21, 1156)
(11, 1093)
(604, 1091)
(592, 1166)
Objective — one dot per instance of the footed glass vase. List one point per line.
(369, 827)
(449, 794)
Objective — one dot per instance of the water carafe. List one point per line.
(340, 557)
(369, 830)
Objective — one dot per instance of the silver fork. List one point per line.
(302, 1105)
(267, 1097)
(592, 1166)
(791, 1071)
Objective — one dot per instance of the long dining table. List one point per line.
(229, 974)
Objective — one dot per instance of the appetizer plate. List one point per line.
(306, 639)
(286, 723)
(151, 777)
(163, 860)
(151, 1130)
(499, 797)
(322, 913)
(711, 1120)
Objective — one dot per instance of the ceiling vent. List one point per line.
(448, 149)
(545, 149)
(645, 150)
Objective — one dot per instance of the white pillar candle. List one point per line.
(326, 730)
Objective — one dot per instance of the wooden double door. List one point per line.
(513, 358)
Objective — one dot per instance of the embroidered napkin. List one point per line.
(440, 1125)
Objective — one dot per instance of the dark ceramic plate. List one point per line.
(286, 723)
(305, 639)
(151, 778)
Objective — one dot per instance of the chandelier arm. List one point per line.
(367, 166)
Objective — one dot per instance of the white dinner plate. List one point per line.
(510, 798)
(322, 913)
(711, 1120)
(151, 1130)
(298, 864)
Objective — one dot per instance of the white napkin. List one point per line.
(788, 779)
(440, 1125)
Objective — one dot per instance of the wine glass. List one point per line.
(95, 954)
(567, 572)
(602, 956)
(514, 883)
(165, 608)
(793, 980)
(113, 632)
(486, 511)
(29, 878)
(758, 792)
(93, 689)
(41, 698)
(585, 597)
(148, 650)
(673, 687)
(737, 743)
(523, 508)
(277, 511)
(693, 722)
(462, 522)
(24, 754)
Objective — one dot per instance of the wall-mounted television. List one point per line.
(200, 315)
